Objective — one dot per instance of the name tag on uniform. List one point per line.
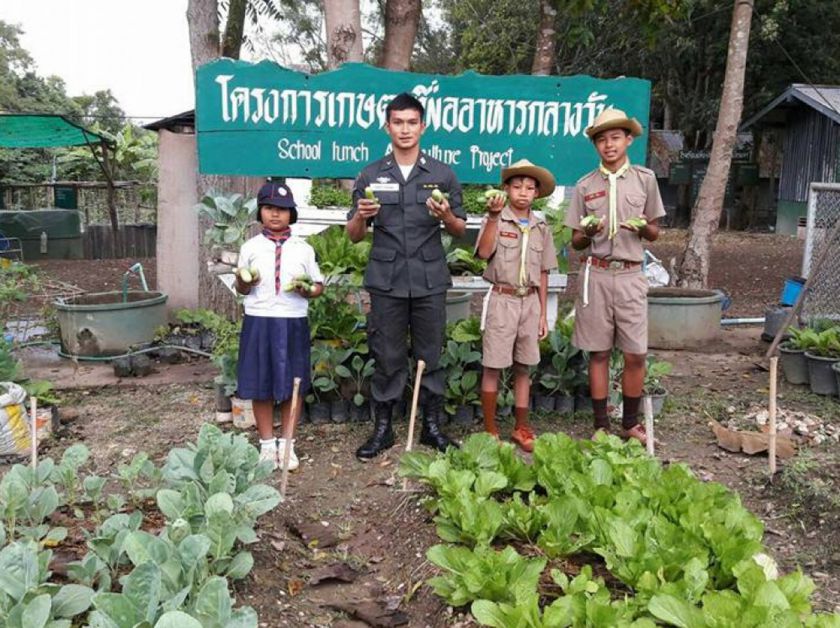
(385, 187)
(508, 234)
(594, 195)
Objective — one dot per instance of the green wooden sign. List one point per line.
(265, 120)
(66, 197)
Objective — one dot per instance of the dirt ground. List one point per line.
(348, 541)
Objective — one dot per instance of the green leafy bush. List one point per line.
(328, 194)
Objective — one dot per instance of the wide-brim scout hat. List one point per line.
(524, 168)
(613, 119)
(277, 194)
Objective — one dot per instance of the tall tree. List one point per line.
(343, 20)
(544, 52)
(694, 269)
(402, 18)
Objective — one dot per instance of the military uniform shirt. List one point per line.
(638, 195)
(407, 258)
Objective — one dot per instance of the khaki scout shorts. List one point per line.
(617, 312)
(511, 330)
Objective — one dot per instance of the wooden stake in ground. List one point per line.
(33, 411)
(287, 450)
(648, 402)
(771, 450)
(421, 365)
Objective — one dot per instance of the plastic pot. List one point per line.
(794, 364)
(319, 412)
(565, 404)
(339, 411)
(464, 415)
(821, 375)
(360, 414)
(544, 403)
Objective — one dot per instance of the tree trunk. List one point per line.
(402, 17)
(343, 22)
(203, 22)
(116, 240)
(694, 269)
(546, 39)
(234, 29)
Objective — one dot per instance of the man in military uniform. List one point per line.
(406, 276)
(611, 309)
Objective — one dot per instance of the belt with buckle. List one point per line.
(511, 291)
(612, 264)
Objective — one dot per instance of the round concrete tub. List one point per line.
(101, 324)
(679, 318)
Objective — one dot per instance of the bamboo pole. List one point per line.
(421, 365)
(771, 450)
(287, 450)
(33, 410)
(648, 404)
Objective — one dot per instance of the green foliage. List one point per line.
(558, 359)
(337, 255)
(324, 194)
(231, 216)
(655, 370)
(358, 371)
(824, 343)
(689, 551)
(27, 599)
(333, 317)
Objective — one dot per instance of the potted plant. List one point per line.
(355, 385)
(559, 376)
(653, 387)
(821, 356)
(792, 354)
(231, 217)
(460, 361)
(323, 384)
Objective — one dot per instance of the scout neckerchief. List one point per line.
(613, 179)
(525, 228)
(278, 237)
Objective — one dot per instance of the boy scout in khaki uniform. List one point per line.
(520, 250)
(611, 309)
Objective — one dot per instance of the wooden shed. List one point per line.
(807, 120)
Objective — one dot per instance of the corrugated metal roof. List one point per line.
(823, 98)
(187, 118)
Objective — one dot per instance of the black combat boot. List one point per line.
(431, 436)
(383, 436)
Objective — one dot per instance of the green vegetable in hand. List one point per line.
(590, 221)
(369, 194)
(637, 223)
(492, 193)
(301, 281)
(248, 275)
(438, 196)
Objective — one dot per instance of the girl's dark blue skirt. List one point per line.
(272, 352)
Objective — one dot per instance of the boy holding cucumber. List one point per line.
(613, 208)
(278, 274)
(520, 251)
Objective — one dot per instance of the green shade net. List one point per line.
(43, 131)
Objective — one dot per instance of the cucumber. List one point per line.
(589, 221)
(638, 223)
(369, 194)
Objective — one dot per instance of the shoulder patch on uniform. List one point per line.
(644, 170)
(586, 176)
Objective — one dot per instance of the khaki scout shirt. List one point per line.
(638, 195)
(407, 258)
(503, 265)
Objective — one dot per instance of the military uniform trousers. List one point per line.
(390, 318)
